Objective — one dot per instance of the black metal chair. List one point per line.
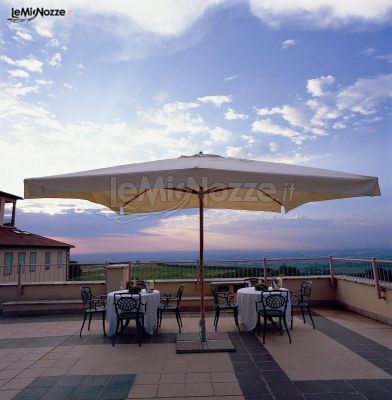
(251, 282)
(129, 307)
(223, 303)
(171, 304)
(92, 305)
(273, 304)
(301, 299)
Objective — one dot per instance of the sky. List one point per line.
(304, 82)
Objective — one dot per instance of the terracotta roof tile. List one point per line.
(16, 237)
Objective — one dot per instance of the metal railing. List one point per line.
(372, 271)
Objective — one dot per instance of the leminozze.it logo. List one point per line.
(30, 13)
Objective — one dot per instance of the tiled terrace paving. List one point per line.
(347, 357)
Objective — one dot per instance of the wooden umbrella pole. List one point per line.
(203, 337)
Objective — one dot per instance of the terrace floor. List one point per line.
(347, 356)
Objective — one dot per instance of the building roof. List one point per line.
(14, 237)
(9, 196)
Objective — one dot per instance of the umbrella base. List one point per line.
(216, 343)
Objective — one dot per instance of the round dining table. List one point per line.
(151, 299)
(247, 313)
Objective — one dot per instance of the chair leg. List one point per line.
(291, 324)
(311, 318)
(236, 318)
(89, 321)
(138, 331)
(115, 332)
(84, 320)
(160, 317)
(258, 325)
(156, 326)
(303, 314)
(217, 319)
(280, 326)
(264, 329)
(285, 325)
(178, 321)
(179, 315)
(103, 323)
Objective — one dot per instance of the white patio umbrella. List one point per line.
(203, 181)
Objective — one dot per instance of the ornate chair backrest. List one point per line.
(129, 303)
(275, 300)
(180, 291)
(306, 289)
(251, 282)
(215, 294)
(220, 297)
(86, 297)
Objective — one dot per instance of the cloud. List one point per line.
(384, 57)
(18, 73)
(365, 95)
(230, 78)
(316, 86)
(326, 110)
(288, 43)
(267, 127)
(321, 13)
(68, 86)
(371, 52)
(161, 96)
(231, 115)
(215, 100)
(24, 36)
(166, 17)
(31, 63)
(368, 51)
(55, 60)
(44, 82)
(221, 135)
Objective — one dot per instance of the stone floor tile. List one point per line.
(223, 377)
(143, 391)
(8, 394)
(226, 389)
(17, 383)
(196, 377)
(174, 377)
(171, 390)
(147, 379)
(198, 389)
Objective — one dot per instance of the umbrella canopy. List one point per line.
(231, 183)
(200, 181)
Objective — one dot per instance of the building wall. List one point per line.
(53, 272)
(363, 299)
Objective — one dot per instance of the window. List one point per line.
(22, 260)
(47, 259)
(59, 259)
(8, 261)
(33, 261)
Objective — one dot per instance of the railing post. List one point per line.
(332, 272)
(130, 273)
(198, 276)
(19, 272)
(265, 271)
(380, 290)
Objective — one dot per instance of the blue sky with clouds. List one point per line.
(119, 82)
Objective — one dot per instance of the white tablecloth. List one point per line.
(150, 319)
(247, 314)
